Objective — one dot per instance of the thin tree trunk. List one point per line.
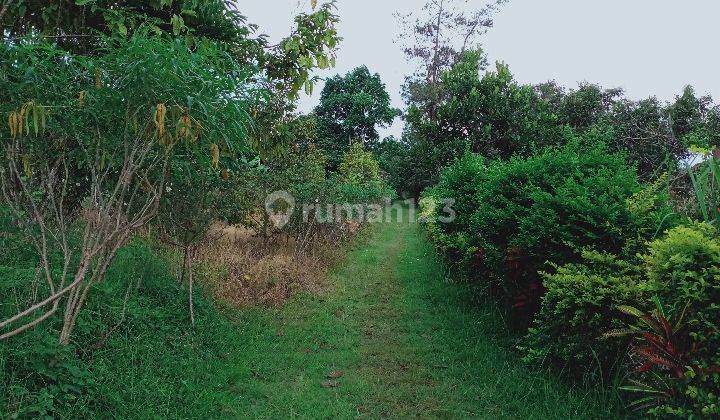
(190, 291)
(183, 270)
(72, 306)
(436, 48)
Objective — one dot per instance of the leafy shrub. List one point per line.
(305, 178)
(460, 182)
(578, 309)
(666, 382)
(551, 206)
(458, 188)
(359, 179)
(674, 363)
(305, 175)
(46, 378)
(515, 216)
(685, 270)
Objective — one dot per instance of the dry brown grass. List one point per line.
(241, 268)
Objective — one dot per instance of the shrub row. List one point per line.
(594, 266)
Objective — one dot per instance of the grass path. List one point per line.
(400, 340)
(408, 344)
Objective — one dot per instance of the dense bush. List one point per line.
(459, 183)
(550, 206)
(578, 309)
(684, 268)
(547, 207)
(674, 359)
(359, 180)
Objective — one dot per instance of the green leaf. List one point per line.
(36, 119)
(122, 29)
(178, 24)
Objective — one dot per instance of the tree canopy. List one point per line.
(351, 109)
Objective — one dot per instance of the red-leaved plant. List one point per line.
(663, 348)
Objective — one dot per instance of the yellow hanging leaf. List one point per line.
(184, 127)
(160, 112)
(215, 154)
(26, 117)
(81, 98)
(313, 3)
(26, 165)
(12, 122)
(36, 110)
(20, 121)
(197, 132)
(98, 82)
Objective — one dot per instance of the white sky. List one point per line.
(647, 47)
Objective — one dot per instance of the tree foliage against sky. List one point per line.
(129, 101)
(436, 39)
(490, 113)
(351, 109)
(76, 24)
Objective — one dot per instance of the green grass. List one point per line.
(409, 344)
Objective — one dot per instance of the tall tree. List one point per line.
(490, 114)
(124, 98)
(694, 119)
(436, 39)
(76, 26)
(351, 109)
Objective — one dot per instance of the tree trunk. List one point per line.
(183, 270)
(75, 301)
(190, 291)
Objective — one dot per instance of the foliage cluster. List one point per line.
(546, 207)
(569, 236)
(125, 115)
(490, 113)
(670, 349)
(350, 110)
(557, 197)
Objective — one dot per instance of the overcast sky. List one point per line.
(647, 47)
